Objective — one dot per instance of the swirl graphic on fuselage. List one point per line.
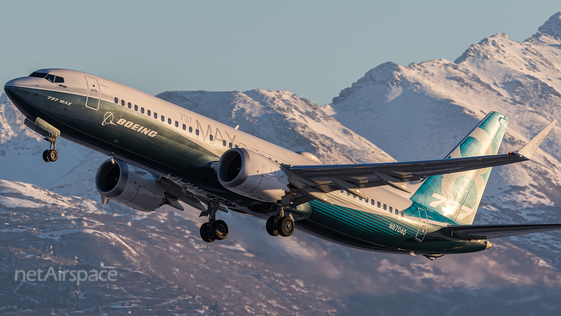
(108, 119)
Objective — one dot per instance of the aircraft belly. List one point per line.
(377, 232)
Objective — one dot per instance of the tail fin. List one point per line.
(456, 196)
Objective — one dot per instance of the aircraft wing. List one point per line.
(326, 178)
(495, 231)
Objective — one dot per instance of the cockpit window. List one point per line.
(38, 75)
(51, 78)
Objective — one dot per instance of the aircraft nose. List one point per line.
(15, 83)
(12, 86)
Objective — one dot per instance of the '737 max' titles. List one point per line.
(162, 154)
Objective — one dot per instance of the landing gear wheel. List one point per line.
(53, 155)
(46, 156)
(285, 226)
(220, 229)
(271, 229)
(205, 230)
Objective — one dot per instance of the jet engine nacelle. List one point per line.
(249, 174)
(129, 186)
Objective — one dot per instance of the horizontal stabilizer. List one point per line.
(528, 150)
(496, 231)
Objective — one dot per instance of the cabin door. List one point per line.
(423, 222)
(93, 93)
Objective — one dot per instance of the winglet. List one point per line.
(528, 150)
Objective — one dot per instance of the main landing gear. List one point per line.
(280, 224)
(51, 155)
(213, 229)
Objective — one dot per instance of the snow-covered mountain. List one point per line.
(421, 111)
(53, 218)
(163, 267)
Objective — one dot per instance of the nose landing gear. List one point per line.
(51, 155)
(214, 229)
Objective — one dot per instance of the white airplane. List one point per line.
(161, 153)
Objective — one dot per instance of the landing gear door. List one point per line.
(423, 223)
(93, 93)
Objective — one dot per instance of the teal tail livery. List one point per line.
(163, 155)
(454, 198)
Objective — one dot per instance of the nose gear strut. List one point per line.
(49, 132)
(51, 155)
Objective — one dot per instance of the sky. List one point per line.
(312, 48)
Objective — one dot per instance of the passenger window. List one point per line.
(224, 143)
(116, 100)
(379, 204)
(391, 210)
(230, 145)
(155, 115)
(210, 137)
(130, 105)
(372, 202)
(142, 110)
(136, 107)
(401, 213)
(176, 124)
(190, 129)
(359, 198)
(51, 78)
(197, 132)
(148, 112)
(59, 80)
(169, 121)
(163, 118)
(123, 102)
(342, 191)
(395, 212)
(236, 146)
(348, 193)
(385, 207)
(184, 127)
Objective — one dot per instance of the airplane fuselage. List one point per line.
(175, 143)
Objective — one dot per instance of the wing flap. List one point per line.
(496, 231)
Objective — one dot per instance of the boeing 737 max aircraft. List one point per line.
(161, 153)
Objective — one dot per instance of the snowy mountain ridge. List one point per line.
(443, 100)
(551, 27)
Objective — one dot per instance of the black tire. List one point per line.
(220, 229)
(205, 230)
(271, 229)
(46, 156)
(53, 155)
(285, 226)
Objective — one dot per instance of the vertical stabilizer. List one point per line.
(456, 196)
